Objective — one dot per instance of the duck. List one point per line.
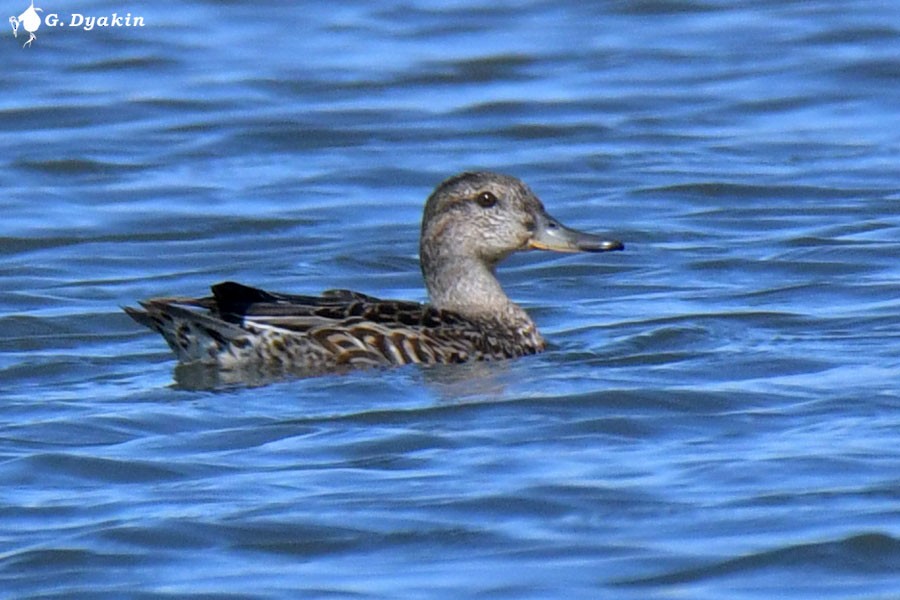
(471, 222)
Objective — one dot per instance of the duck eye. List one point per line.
(486, 199)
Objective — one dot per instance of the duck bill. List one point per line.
(552, 235)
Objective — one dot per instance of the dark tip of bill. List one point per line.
(605, 246)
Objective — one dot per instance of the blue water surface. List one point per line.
(716, 416)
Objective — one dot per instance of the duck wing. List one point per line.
(240, 324)
(355, 328)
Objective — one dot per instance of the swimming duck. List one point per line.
(472, 221)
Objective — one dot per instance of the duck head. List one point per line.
(472, 221)
(488, 216)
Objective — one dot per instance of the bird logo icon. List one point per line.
(30, 20)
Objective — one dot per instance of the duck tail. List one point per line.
(194, 336)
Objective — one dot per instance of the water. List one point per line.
(717, 416)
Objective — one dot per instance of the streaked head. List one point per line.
(489, 216)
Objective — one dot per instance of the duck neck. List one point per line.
(469, 287)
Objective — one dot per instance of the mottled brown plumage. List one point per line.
(471, 222)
